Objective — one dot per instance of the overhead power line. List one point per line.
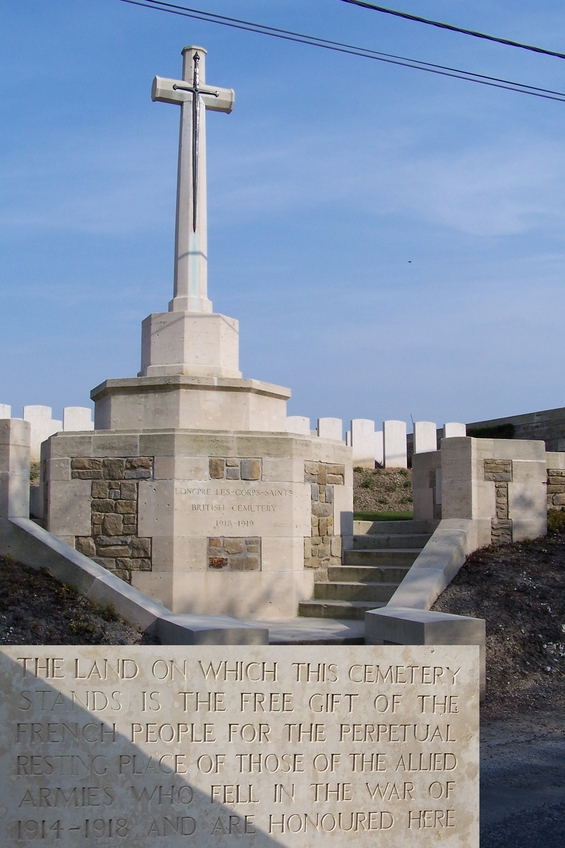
(407, 16)
(340, 47)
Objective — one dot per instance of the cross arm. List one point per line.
(178, 91)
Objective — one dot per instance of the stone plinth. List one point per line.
(195, 344)
(204, 521)
(196, 403)
(258, 747)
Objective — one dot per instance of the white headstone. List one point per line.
(379, 447)
(42, 426)
(257, 747)
(453, 430)
(425, 437)
(77, 418)
(363, 442)
(298, 424)
(5, 410)
(330, 428)
(394, 437)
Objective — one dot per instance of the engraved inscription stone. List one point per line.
(221, 746)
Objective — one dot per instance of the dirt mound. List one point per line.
(35, 609)
(519, 589)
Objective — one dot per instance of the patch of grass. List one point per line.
(367, 483)
(382, 516)
(556, 521)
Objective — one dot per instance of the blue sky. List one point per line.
(391, 242)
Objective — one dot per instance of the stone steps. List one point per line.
(382, 554)
(338, 609)
(403, 557)
(390, 540)
(354, 591)
(367, 574)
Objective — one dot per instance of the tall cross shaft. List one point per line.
(191, 236)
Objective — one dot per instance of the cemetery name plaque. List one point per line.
(250, 746)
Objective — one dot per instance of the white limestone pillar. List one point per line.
(14, 468)
(394, 437)
(425, 436)
(5, 410)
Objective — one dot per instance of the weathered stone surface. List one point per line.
(114, 468)
(82, 463)
(217, 468)
(85, 545)
(297, 748)
(244, 563)
(112, 525)
(100, 490)
(234, 546)
(321, 509)
(103, 506)
(126, 507)
(233, 473)
(140, 547)
(250, 469)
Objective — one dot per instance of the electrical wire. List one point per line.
(340, 47)
(451, 28)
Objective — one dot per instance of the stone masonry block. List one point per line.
(232, 473)
(112, 525)
(233, 546)
(100, 489)
(217, 468)
(218, 562)
(112, 552)
(250, 469)
(126, 507)
(321, 509)
(244, 563)
(113, 468)
(128, 490)
(84, 463)
(322, 474)
(136, 463)
(140, 547)
(86, 474)
(498, 470)
(85, 545)
(104, 506)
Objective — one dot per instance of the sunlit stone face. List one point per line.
(222, 746)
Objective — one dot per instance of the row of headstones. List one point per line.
(43, 425)
(388, 447)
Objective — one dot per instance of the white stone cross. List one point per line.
(191, 237)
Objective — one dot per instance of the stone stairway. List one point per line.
(382, 554)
